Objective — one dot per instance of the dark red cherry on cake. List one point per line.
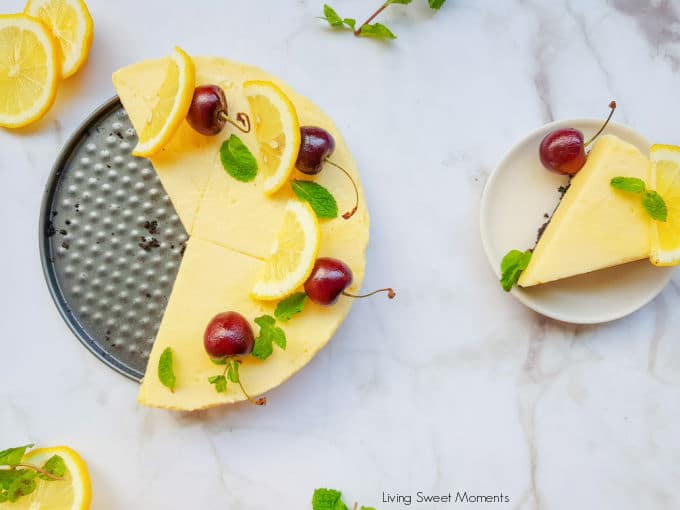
(564, 151)
(330, 278)
(228, 334)
(208, 111)
(316, 145)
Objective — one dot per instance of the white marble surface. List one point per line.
(454, 385)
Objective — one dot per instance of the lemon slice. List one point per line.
(665, 179)
(169, 106)
(71, 24)
(277, 131)
(293, 254)
(72, 493)
(29, 70)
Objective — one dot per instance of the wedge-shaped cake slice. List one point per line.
(211, 280)
(595, 226)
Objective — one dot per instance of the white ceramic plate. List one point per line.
(518, 194)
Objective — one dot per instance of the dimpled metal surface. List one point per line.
(111, 241)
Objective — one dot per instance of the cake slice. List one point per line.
(594, 226)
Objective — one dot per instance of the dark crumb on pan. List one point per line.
(54, 213)
(183, 249)
(119, 134)
(149, 244)
(151, 227)
(77, 207)
(67, 222)
(63, 232)
(546, 215)
(561, 190)
(66, 245)
(147, 295)
(49, 229)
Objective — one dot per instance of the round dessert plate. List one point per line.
(518, 199)
(110, 241)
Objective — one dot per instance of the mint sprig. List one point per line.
(330, 499)
(512, 265)
(270, 334)
(290, 306)
(653, 203)
(230, 374)
(166, 371)
(319, 198)
(369, 28)
(19, 479)
(237, 159)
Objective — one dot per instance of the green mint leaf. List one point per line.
(7, 476)
(629, 184)
(318, 197)
(220, 383)
(22, 485)
(232, 371)
(237, 159)
(377, 31)
(512, 265)
(655, 205)
(55, 466)
(350, 22)
(331, 16)
(327, 499)
(166, 373)
(390, 2)
(269, 334)
(3, 496)
(13, 456)
(290, 306)
(436, 4)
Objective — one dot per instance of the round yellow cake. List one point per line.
(232, 226)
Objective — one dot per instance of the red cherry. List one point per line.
(316, 146)
(209, 113)
(329, 278)
(563, 150)
(228, 334)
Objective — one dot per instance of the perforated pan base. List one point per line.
(110, 241)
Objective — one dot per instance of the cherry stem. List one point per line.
(390, 293)
(259, 401)
(241, 118)
(612, 105)
(348, 214)
(38, 470)
(372, 17)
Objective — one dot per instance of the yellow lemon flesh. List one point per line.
(29, 70)
(277, 131)
(74, 492)
(71, 24)
(169, 105)
(665, 179)
(293, 253)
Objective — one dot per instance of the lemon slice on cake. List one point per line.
(293, 254)
(665, 179)
(71, 24)
(170, 105)
(277, 131)
(74, 492)
(29, 70)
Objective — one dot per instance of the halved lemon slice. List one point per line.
(72, 493)
(665, 179)
(71, 24)
(277, 131)
(29, 70)
(293, 253)
(170, 104)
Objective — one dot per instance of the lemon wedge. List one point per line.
(293, 253)
(665, 179)
(277, 131)
(71, 24)
(72, 493)
(170, 105)
(29, 70)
